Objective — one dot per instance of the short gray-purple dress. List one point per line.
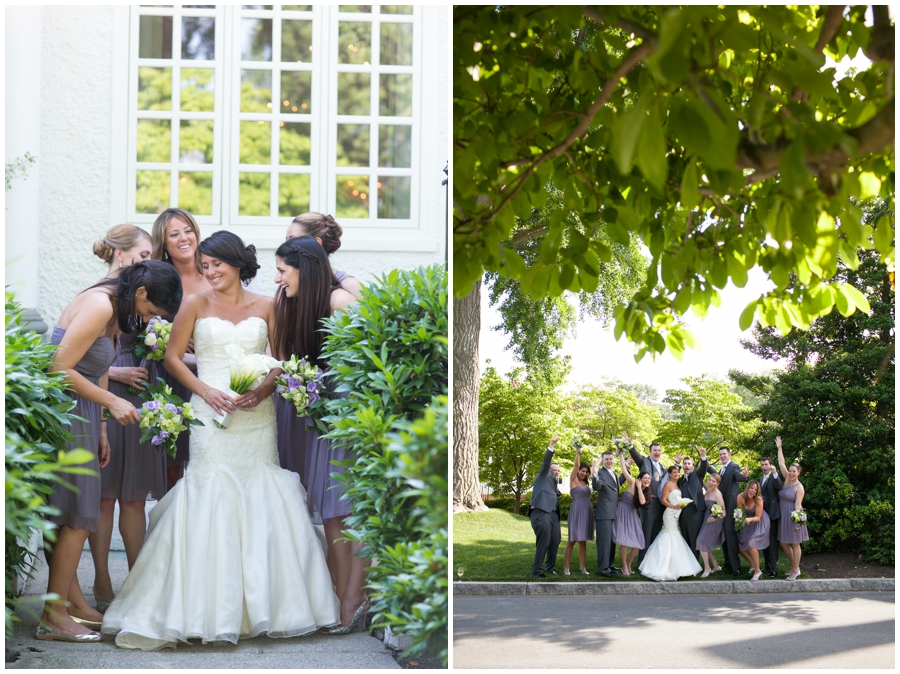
(581, 515)
(301, 450)
(755, 534)
(711, 535)
(81, 509)
(136, 471)
(788, 532)
(626, 528)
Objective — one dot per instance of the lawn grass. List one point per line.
(495, 545)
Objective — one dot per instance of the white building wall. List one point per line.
(77, 162)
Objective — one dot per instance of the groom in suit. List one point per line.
(732, 476)
(651, 515)
(691, 486)
(770, 485)
(543, 510)
(606, 483)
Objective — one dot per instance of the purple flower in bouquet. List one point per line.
(314, 397)
(155, 347)
(172, 408)
(152, 406)
(293, 383)
(161, 438)
(311, 387)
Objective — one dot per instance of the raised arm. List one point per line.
(573, 476)
(625, 472)
(548, 457)
(781, 464)
(635, 455)
(703, 467)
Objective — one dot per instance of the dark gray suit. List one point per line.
(730, 488)
(652, 514)
(772, 505)
(543, 510)
(692, 515)
(607, 488)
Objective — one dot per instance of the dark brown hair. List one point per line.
(637, 485)
(229, 248)
(298, 319)
(160, 280)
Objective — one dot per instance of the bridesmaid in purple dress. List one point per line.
(755, 534)
(309, 293)
(711, 535)
(88, 332)
(790, 535)
(627, 531)
(136, 470)
(581, 513)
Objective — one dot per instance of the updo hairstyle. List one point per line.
(119, 237)
(323, 227)
(229, 248)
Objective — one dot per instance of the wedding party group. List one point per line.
(669, 518)
(236, 461)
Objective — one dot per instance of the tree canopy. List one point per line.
(713, 134)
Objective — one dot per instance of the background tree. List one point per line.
(712, 133)
(606, 412)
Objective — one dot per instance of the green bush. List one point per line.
(389, 353)
(37, 416)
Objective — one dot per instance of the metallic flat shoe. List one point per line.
(90, 624)
(44, 633)
(360, 612)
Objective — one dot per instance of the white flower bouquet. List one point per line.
(152, 342)
(798, 517)
(740, 519)
(684, 502)
(247, 373)
(716, 511)
(303, 384)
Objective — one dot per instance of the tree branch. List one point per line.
(638, 30)
(834, 15)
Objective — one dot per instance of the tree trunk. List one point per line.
(466, 327)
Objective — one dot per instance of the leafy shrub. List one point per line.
(37, 416)
(389, 353)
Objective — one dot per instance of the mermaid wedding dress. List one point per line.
(230, 551)
(669, 557)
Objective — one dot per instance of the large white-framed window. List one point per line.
(248, 115)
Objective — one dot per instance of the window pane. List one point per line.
(296, 41)
(352, 197)
(198, 38)
(256, 90)
(353, 93)
(396, 9)
(256, 6)
(352, 144)
(256, 39)
(396, 44)
(197, 89)
(152, 194)
(253, 194)
(154, 140)
(155, 39)
(154, 88)
(394, 146)
(393, 197)
(196, 142)
(294, 143)
(354, 42)
(396, 95)
(293, 195)
(297, 8)
(256, 143)
(195, 192)
(296, 91)
(359, 9)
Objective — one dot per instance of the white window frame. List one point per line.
(416, 234)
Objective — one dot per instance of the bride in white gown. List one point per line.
(669, 557)
(230, 551)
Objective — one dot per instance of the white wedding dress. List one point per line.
(670, 558)
(230, 551)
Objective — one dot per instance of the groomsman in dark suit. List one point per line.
(691, 486)
(543, 510)
(651, 515)
(770, 485)
(732, 476)
(606, 483)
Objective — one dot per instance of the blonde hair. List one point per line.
(323, 227)
(159, 235)
(119, 237)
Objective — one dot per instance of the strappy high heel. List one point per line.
(360, 612)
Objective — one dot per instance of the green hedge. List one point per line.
(389, 353)
(38, 414)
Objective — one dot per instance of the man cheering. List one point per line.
(606, 484)
(651, 516)
(691, 486)
(731, 475)
(544, 513)
(770, 485)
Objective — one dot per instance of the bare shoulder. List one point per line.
(352, 285)
(92, 306)
(341, 299)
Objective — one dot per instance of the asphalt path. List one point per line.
(828, 630)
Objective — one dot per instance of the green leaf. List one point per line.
(856, 298)
(690, 186)
(625, 138)
(747, 315)
(651, 152)
(884, 235)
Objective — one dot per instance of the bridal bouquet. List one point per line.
(740, 519)
(683, 502)
(247, 373)
(716, 511)
(303, 384)
(798, 517)
(152, 342)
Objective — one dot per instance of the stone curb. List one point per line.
(681, 587)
